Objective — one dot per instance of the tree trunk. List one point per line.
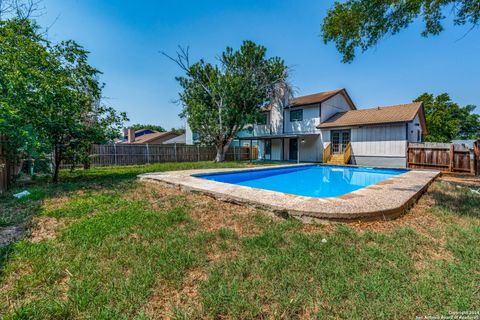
(58, 159)
(220, 157)
(222, 150)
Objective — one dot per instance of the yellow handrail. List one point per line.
(327, 153)
(347, 154)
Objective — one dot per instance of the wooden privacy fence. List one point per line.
(137, 154)
(441, 156)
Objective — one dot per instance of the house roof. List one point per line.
(377, 115)
(178, 139)
(149, 137)
(314, 99)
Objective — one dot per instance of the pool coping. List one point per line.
(384, 200)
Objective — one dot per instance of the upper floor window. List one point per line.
(296, 115)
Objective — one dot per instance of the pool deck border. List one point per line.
(384, 200)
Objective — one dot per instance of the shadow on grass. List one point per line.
(4, 253)
(14, 212)
(460, 202)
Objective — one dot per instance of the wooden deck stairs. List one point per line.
(339, 158)
(336, 159)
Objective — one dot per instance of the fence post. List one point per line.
(198, 152)
(175, 151)
(148, 154)
(115, 153)
(476, 157)
(450, 164)
(250, 151)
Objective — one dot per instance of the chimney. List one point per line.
(131, 135)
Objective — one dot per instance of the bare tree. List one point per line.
(24, 9)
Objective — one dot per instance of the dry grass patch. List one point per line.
(166, 300)
(45, 228)
(211, 214)
(56, 203)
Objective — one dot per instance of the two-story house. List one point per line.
(328, 127)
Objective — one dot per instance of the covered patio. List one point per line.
(288, 147)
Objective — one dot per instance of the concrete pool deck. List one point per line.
(384, 200)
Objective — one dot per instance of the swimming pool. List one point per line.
(318, 181)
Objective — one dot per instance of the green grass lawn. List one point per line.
(104, 246)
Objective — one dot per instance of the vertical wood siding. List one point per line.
(387, 140)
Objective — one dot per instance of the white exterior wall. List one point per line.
(380, 146)
(386, 140)
(311, 119)
(312, 149)
(274, 123)
(335, 104)
(413, 128)
(188, 134)
(276, 149)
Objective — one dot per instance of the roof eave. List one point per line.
(362, 124)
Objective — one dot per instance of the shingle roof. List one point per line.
(378, 115)
(313, 98)
(154, 136)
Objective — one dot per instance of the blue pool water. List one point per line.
(309, 180)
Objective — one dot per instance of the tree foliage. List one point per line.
(219, 100)
(153, 127)
(446, 120)
(178, 131)
(50, 96)
(362, 23)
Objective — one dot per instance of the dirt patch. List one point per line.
(45, 228)
(11, 234)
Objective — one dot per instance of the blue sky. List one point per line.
(125, 38)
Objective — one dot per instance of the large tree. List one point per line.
(354, 24)
(219, 100)
(446, 120)
(154, 127)
(49, 94)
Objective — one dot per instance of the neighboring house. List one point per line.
(145, 136)
(181, 139)
(302, 129)
(194, 138)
